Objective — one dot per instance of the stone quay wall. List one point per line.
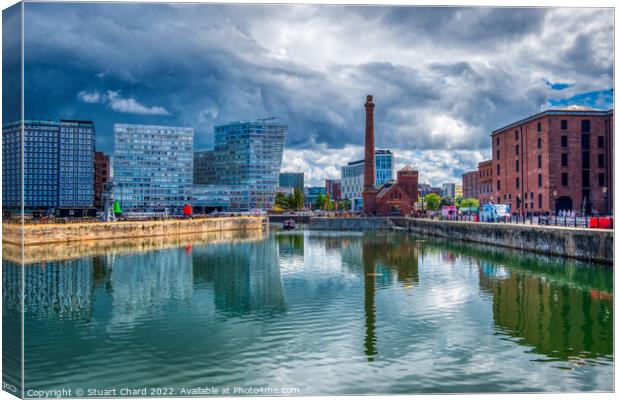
(69, 232)
(579, 243)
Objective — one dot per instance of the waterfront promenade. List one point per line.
(82, 231)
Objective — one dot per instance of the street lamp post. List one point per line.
(555, 204)
(605, 200)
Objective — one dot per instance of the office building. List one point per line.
(352, 176)
(311, 194)
(58, 165)
(558, 159)
(204, 167)
(152, 167)
(294, 180)
(247, 155)
(448, 190)
(102, 177)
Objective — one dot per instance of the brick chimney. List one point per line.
(369, 192)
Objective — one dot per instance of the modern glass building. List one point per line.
(58, 164)
(76, 163)
(152, 167)
(204, 167)
(291, 180)
(247, 155)
(352, 176)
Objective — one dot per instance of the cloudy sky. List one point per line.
(442, 78)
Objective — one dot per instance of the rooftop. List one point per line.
(572, 109)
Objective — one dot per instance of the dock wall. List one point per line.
(579, 243)
(62, 233)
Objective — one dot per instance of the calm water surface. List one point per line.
(328, 313)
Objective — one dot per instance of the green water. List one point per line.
(320, 312)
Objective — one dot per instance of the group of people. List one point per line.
(567, 213)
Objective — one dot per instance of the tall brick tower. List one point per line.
(369, 194)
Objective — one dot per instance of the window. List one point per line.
(539, 143)
(564, 141)
(539, 200)
(585, 125)
(564, 124)
(585, 178)
(497, 154)
(601, 179)
(565, 159)
(517, 165)
(498, 186)
(538, 127)
(517, 150)
(516, 135)
(585, 160)
(517, 181)
(498, 170)
(564, 178)
(497, 140)
(585, 141)
(601, 160)
(539, 161)
(601, 142)
(539, 180)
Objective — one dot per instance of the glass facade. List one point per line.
(152, 167)
(291, 180)
(76, 157)
(58, 164)
(352, 176)
(248, 155)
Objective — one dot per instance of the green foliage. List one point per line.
(471, 203)
(323, 202)
(458, 200)
(432, 201)
(447, 201)
(282, 200)
(296, 200)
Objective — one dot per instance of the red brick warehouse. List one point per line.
(555, 160)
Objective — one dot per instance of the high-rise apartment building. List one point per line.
(58, 164)
(334, 188)
(558, 159)
(152, 166)
(293, 180)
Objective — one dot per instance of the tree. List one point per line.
(447, 201)
(470, 203)
(458, 200)
(281, 200)
(296, 200)
(432, 201)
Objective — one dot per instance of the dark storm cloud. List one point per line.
(11, 64)
(443, 78)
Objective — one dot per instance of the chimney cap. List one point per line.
(369, 98)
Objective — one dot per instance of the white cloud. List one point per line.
(114, 101)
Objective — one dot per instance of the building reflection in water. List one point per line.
(557, 320)
(245, 277)
(291, 246)
(11, 326)
(386, 260)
